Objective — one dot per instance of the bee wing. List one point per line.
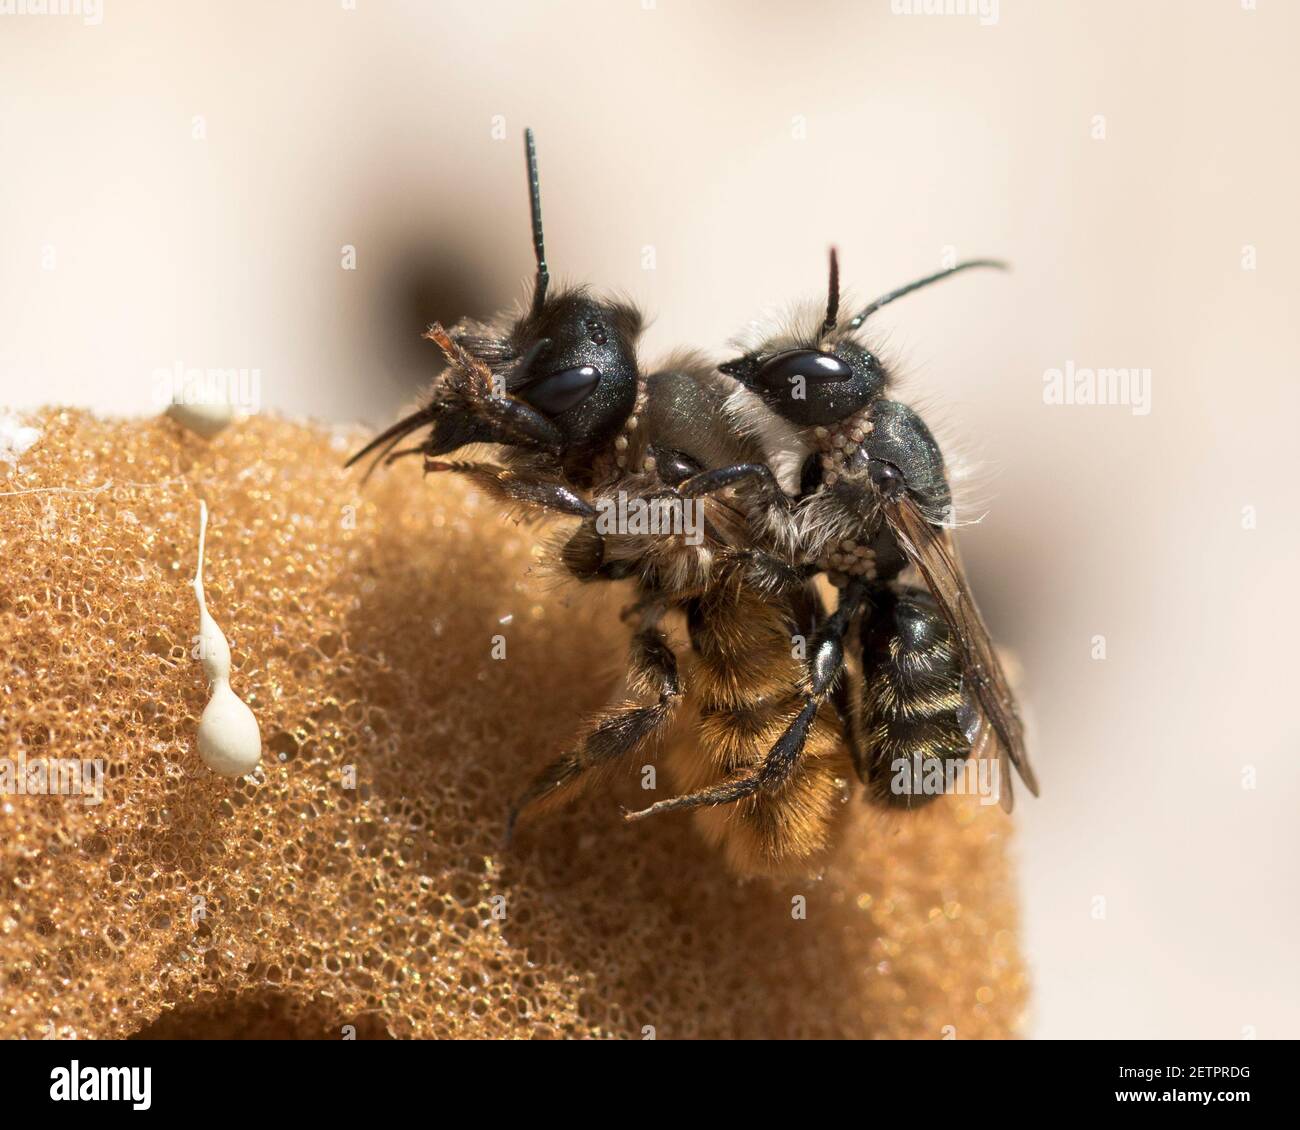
(931, 551)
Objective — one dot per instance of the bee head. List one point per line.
(570, 358)
(574, 357)
(577, 365)
(818, 379)
(809, 385)
(825, 377)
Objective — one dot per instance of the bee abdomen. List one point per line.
(746, 685)
(914, 715)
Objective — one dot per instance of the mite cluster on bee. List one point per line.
(839, 444)
(802, 467)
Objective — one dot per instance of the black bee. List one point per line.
(574, 422)
(799, 466)
(852, 483)
(553, 388)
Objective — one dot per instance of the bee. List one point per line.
(557, 391)
(552, 388)
(850, 483)
(797, 465)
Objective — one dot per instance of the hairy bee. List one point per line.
(558, 392)
(852, 483)
(797, 465)
(552, 388)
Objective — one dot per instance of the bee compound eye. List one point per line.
(886, 478)
(562, 390)
(811, 364)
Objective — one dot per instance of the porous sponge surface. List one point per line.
(358, 877)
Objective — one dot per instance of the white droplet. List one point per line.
(205, 419)
(229, 740)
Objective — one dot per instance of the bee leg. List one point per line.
(776, 507)
(472, 398)
(842, 694)
(623, 730)
(512, 421)
(517, 488)
(917, 720)
(825, 663)
(710, 482)
(842, 700)
(768, 573)
(456, 422)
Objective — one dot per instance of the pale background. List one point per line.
(678, 128)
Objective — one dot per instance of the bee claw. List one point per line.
(631, 817)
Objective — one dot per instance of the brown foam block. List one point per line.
(358, 876)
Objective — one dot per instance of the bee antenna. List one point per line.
(886, 299)
(535, 204)
(832, 296)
